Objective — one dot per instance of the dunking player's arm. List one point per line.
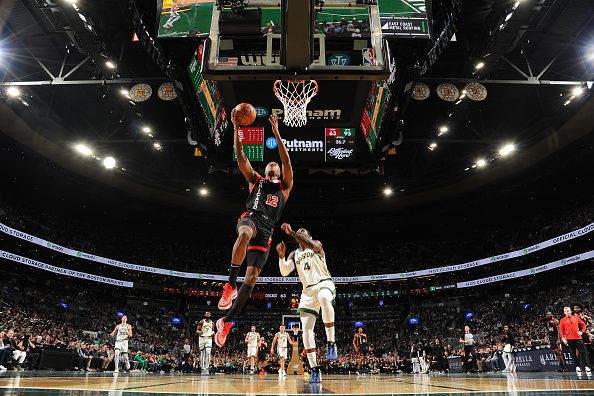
(284, 156)
(245, 167)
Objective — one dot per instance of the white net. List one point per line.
(295, 95)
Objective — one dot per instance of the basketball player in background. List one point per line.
(262, 354)
(122, 333)
(205, 333)
(282, 339)
(586, 335)
(173, 15)
(264, 205)
(252, 340)
(361, 348)
(318, 292)
(552, 328)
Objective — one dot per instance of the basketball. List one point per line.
(246, 114)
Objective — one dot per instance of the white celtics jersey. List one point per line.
(207, 327)
(252, 338)
(311, 267)
(122, 333)
(282, 339)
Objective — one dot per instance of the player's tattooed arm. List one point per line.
(244, 164)
(129, 330)
(284, 155)
(309, 243)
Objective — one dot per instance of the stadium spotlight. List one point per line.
(84, 150)
(146, 129)
(481, 163)
(479, 65)
(388, 191)
(577, 91)
(442, 129)
(432, 146)
(13, 92)
(110, 64)
(125, 92)
(109, 162)
(507, 149)
(157, 146)
(203, 191)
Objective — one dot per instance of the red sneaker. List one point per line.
(227, 298)
(222, 332)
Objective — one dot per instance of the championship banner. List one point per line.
(530, 271)
(62, 271)
(349, 279)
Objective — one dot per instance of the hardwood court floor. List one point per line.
(88, 384)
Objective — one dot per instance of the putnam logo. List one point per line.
(321, 114)
(304, 145)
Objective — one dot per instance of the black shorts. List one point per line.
(259, 245)
(363, 349)
(555, 344)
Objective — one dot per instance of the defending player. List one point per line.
(122, 333)
(205, 333)
(265, 204)
(252, 339)
(281, 339)
(173, 15)
(318, 292)
(361, 347)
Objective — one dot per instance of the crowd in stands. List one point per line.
(38, 316)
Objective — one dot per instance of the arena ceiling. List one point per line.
(544, 41)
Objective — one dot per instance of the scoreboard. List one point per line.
(306, 145)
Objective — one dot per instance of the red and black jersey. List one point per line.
(552, 328)
(361, 340)
(267, 199)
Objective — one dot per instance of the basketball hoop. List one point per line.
(295, 95)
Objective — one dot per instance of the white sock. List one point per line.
(312, 359)
(330, 334)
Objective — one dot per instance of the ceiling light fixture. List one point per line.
(109, 162)
(13, 92)
(84, 150)
(507, 149)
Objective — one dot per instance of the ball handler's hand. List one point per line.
(281, 249)
(273, 120)
(234, 120)
(286, 227)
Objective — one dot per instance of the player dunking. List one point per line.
(281, 339)
(318, 292)
(264, 205)
(173, 15)
(361, 347)
(122, 333)
(205, 333)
